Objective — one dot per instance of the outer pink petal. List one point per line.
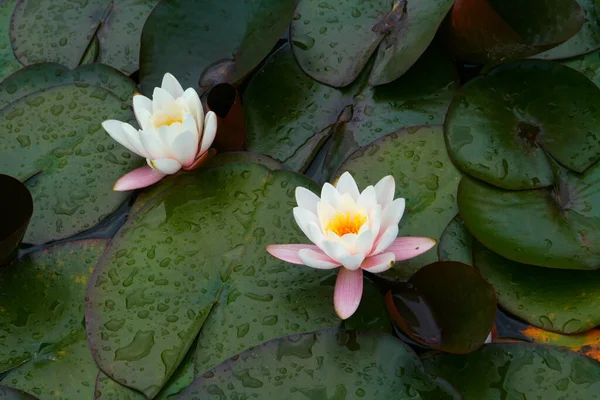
(289, 252)
(348, 292)
(409, 247)
(138, 178)
(317, 259)
(379, 263)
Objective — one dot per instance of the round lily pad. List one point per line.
(334, 41)
(500, 127)
(424, 176)
(519, 370)
(459, 303)
(556, 228)
(557, 300)
(166, 275)
(321, 365)
(44, 75)
(586, 40)
(588, 65)
(53, 141)
(8, 61)
(41, 298)
(456, 243)
(224, 39)
(43, 30)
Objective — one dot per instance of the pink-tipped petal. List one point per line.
(348, 292)
(409, 247)
(137, 179)
(317, 259)
(289, 252)
(379, 263)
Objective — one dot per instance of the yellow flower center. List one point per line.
(343, 223)
(162, 119)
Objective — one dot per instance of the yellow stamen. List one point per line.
(167, 119)
(343, 223)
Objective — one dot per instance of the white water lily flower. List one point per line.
(357, 231)
(174, 133)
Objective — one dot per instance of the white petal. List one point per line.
(189, 124)
(315, 260)
(115, 129)
(210, 132)
(347, 184)
(194, 106)
(315, 234)
(367, 199)
(167, 135)
(162, 100)
(386, 239)
(172, 85)
(375, 221)
(304, 218)
(352, 261)
(349, 242)
(385, 189)
(165, 165)
(142, 106)
(392, 214)
(184, 148)
(153, 145)
(334, 249)
(306, 199)
(325, 212)
(329, 194)
(364, 242)
(379, 263)
(144, 119)
(133, 135)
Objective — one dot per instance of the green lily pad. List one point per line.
(167, 274)
(42, 76)
(334, 41)
(588, 65)
(43, 30)
(8, 393)
(586, 40)
(509, 29)
(322, 364)
(500, 127)
(8, 61)
(65, 371)
(424, 176)
(558, 300)
(556, 228)
(290, 119)
(519, 371)
(209, 41)
(456, 243)
(460, 307)
(68, 162)
(41, 298)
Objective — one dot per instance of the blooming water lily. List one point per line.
(352, 230)
(174, 133)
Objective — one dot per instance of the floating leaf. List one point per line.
(459, 303)
(41, 298)
(7, 393)
(52, 140)
(558, 300)
(588, 64)
(209, 41)
(16, 206)
(42, 76)
(556, 228)
(8, 61)
(66, 370)
(500, 127)
(43, 30)
(167, 274)
(456, 243)
(519, 370)
(587, 40)
(333, 42)
(290, 116)
(587, 343)
(424, 176)
(482, 31)
(322, 364)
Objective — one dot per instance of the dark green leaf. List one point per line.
(7, 393)
(16, 207)
(8, 61)
(456, 243)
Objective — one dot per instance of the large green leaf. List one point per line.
(334, 41)
(8, 61)
(41, 298)
(519, 371)
(8, 393)
(343, 365)
(167, 274)
(500, 126)
(43, 30)
(42, 76)
(290, 116)
(557, 300)
(424, 176)
(588, 64)
(53, 140)
(586, 40)
(456, 243)
(64, 371)
(556, 228)
(209, 41)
